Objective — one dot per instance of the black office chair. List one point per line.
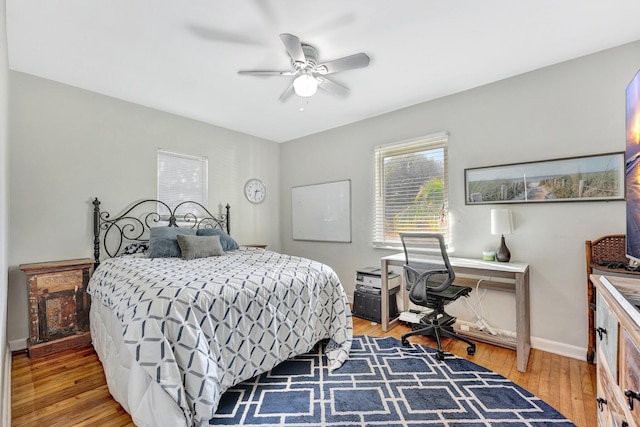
(429, 279)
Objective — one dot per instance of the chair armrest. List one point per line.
(444, 284)
(421, 280)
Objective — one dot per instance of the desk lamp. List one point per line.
(502, 223)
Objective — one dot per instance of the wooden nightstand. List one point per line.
(58, 305)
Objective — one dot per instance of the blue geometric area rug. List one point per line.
(383, 384)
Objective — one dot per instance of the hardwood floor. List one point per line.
(69, 388)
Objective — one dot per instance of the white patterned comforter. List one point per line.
(198, 327)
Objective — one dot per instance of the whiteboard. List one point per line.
(322, 212)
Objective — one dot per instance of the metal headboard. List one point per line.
(113, 234)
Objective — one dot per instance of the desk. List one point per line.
(513, 270)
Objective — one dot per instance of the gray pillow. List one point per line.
(227, 242)
(163, 241)
(199, 246)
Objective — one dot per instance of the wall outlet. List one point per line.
(464, 328)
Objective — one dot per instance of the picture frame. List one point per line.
(598, 177)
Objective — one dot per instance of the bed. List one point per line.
(173, 333)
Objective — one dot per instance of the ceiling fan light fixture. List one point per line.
(308, 73)
(305, 85)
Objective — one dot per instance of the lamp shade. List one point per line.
(501, 221)
(305, 85)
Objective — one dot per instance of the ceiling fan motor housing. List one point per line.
(311, 55)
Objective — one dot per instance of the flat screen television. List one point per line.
(632, 168)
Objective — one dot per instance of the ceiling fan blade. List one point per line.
(358, 60)
(333, 87)
(266, 73)
(223, 36)
(267, 11)
(287, 93)
(294, 47)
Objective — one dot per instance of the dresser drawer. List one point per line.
(611, 410)
(630, 373)
(607, 335)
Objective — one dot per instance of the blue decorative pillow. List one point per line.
(227, 242)
(163, 241)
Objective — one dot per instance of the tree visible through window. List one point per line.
(411, 188)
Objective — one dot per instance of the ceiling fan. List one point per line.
(308, 74)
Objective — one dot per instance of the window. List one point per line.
(182, 177)
(411, 189)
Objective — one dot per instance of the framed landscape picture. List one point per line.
(575, 179)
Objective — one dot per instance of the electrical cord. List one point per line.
(478, 312)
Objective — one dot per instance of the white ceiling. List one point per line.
(183, 56)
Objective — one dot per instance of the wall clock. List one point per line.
(255, 191)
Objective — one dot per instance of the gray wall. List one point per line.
(570, 109)
(69, 145)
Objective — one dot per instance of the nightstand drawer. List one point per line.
(57, 282)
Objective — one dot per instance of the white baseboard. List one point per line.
(549, 346)
(17, 345)
(6, 389)
(575, 352)
(555, 347)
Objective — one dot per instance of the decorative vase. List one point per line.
(503, 254)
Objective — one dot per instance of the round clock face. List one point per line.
(255, 191)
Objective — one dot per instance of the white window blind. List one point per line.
(182, 177)
(411, 189)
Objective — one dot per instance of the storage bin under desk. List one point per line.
(367, 305)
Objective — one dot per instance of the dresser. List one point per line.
(617, 329)
(605, 256)
(58, 305)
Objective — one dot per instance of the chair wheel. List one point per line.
(440, 356)
(471, 350)
(405, 342)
